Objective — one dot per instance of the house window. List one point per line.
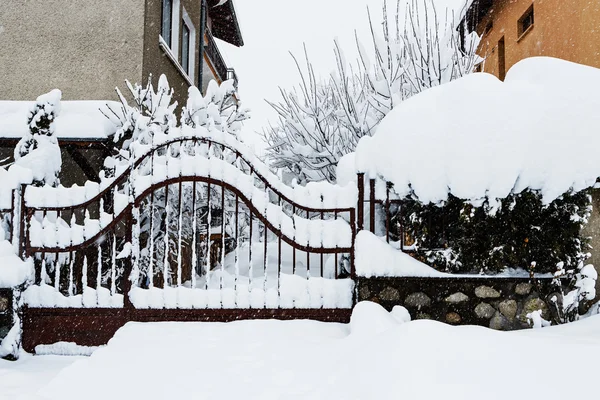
(169, 30)
(167, 20)
(185, 49)
(526, 21)
(188, 45)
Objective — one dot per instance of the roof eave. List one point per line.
(476, 12)
(227, 29)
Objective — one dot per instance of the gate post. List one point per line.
(360, 181)
(353, 249)
(22, 223)
(372, 205)
(130, 225)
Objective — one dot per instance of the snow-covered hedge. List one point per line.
(493, 173)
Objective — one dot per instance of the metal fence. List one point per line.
(192, 223)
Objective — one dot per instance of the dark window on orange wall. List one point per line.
(501, 59)
(526, 21)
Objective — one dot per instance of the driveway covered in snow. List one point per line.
(375, 356)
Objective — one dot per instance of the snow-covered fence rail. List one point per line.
(192, 222)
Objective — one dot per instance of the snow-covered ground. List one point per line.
(374, 357)
(23, 378)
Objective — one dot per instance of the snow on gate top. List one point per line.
(479, 138)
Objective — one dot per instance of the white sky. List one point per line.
(274, 28)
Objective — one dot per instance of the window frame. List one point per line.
(171, 43)
(185, 52)
(529, 14)
(191, 50)
(163, 28)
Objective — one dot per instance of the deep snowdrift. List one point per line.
(375, 257)
(374, 357)
(478, 137)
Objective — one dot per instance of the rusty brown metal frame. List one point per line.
(96, 326)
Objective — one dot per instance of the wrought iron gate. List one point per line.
(191, 223)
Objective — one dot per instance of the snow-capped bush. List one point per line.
(322, 120)
(151, 112)
(38, 150)
(216, 110)
(10, 346)
(574, 287)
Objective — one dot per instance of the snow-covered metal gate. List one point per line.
(195, 227)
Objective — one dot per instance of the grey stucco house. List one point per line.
(86, 48)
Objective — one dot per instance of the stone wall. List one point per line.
(498, 303)
(6, 313)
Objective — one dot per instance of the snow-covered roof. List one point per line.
(478, 137)
(475, 11)
(77, 119)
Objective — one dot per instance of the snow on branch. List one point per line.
(321, 120)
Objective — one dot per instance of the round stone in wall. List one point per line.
(498, 322)
(523, 289)
(486, 292)
(456, 298)
(422, 316)
(417, 300)
(389, 294)
(534, 304)
(3, 304)
(508, 308)
(453, 318)
(484, 310)
(364, 293)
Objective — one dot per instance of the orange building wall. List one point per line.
(567, 29)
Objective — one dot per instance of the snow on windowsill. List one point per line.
(525, 33)
(167, 50)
